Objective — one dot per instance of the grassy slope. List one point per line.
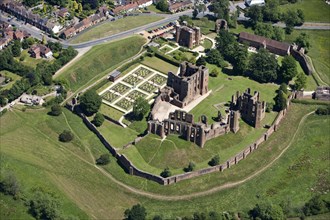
(100, 60)
(314, 10)
(319, 51)
(29, 147)
(43, 161)
(160, 65)
(111, 28)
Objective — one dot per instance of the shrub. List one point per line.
(215, 160)
(66, 136)
(9, 184)
(98, 119)
(190, 167)
(56, 110)
(137, 212)
(269, 106)
(166, 173)
(104, 159)
(214, 73)
(323, 110)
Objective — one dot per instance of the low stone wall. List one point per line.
(131, 169)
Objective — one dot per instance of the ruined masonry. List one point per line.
(188, 36)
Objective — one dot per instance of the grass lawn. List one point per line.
(223, 88)
(154, 9)
(28, 60)
(314, 10)
(206, 26)
(207, 44)
(13, 209)
(11, 75)
(110, 112)
(114, 27)
(165, 49)
(160, 65)
(116, 134)
(319, 50)
(241, 28)
(99, 61)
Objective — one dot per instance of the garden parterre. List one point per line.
(142, 81)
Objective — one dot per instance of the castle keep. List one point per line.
(182, 89)
(188, 36)
(252, 110)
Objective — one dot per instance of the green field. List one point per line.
(159, 65)
(319, 51)
(99, 61)
(67, 169)
(314, 10)
(28, 60)
(8, 74)
(114, 27)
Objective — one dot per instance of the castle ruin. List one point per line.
(182, 89)
(187, 36)
(252, 110)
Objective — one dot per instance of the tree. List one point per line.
(240, 59)
(195, 13)
(140, 108)
(190, 167)
(288, 69)
(162, 5)
(255, 14)
(44, 205)
(280, 101)
(303, 40)
(66, 136)
(314, 206)
(98, 119)
(224, 42)
(137, 212)
(214, 161)
(263, 66)
(166, 173)
(220, 9)
(90, 102)
(9, 184)
(284, 88)
(278, 34)
(293, 18)
(271, 11)
(300, 81)
(157, 217)
(16, 48)
(56, 110)
(104, 159)
(264, 29)
(201, 61)
(215, 57)
(267, 211)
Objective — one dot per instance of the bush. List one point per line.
(98, 119)
(104, 159)
(66, 136)
(56, 110)
(269, 106)
(323, 110)
(214, 73)
(90, 102)
(214, 161)
(190, 167)
(9, 184)
(314, 206)
(166, 173)
(137, 212)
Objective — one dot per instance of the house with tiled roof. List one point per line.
(273, 46)
(122, 9)
(39, 50)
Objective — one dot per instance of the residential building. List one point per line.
(39, 50)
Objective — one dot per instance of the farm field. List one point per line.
(314, 10)
(114, 27)
(86, 190)
(99, 61)
(319, 50)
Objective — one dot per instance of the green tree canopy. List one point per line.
(162, 5)
(300, 81)
(66, 136)
(267, 211)
(98, 119)
(215, 57)
(263, 66)
(280, 101)
(288, 69)
(140, 108)
(56, 110)
(90, 102)
(166, 173)
(303, 40)
(104, 159)
(214, 161)
(137, 212)
(16, 48)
